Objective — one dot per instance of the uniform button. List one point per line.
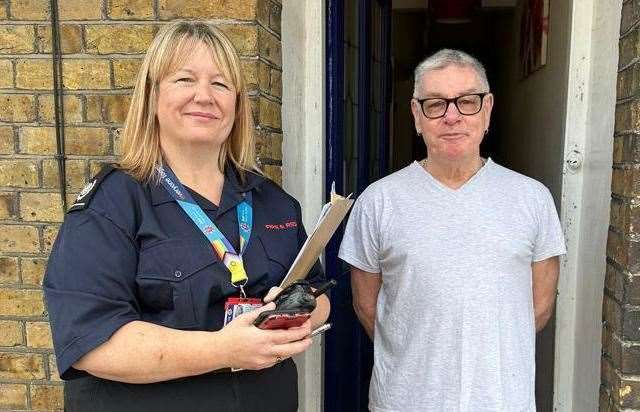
(177, 273)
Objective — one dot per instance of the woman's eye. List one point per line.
(184, 79)
(220, 84)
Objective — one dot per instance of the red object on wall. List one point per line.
(451, 11)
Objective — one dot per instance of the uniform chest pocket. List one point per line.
(165, 279)
(280, 255)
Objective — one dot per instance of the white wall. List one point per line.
(534, 128)
(303, 145)
(569, 105)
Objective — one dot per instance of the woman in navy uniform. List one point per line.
(136, 294)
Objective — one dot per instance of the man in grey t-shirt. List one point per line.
(454, 260)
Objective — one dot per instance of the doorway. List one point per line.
(526, 134)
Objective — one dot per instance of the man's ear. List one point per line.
(488, 102)
(417, 113)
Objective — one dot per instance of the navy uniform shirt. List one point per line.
(131, 253)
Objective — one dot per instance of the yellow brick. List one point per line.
(74, 171)
(95, 166)
(80, 9)
(275, 18)
(7, 206)
(115, 108)
(14, 396)
(6, 74)
(17, 108)
(39, 335)
(105, 39)
(86, 74)
(125, 72)
(243, 37)
(22, 239)
(49, 233)
(20, 302)
(70, 38)
(269, 113)
(21, 366)
(274, 173)
(11, 334)
(172, 9)
(32, 270)
(86, 141)
(250, 72)
(3, 9)
(54, 374)
(34, 74)
(269, 146)
(94, 108)
(47, 397)
(71, 199)
(255, 108)
(130, 9)
(30, 9)
(117, 142)
(264, 76)
(8, 274)
(37, 140)
(18, 173)
(276, 83)
(72, 109)
(269, 47)
(16, 39)
(41, 207)
(6, 140)
(263, 10)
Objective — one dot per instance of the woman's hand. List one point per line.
(320, 313)
(273, 292)
(252, 348)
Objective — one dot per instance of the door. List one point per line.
(358, 72)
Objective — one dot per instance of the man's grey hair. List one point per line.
(445, 58)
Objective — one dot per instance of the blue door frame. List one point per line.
(348, 350)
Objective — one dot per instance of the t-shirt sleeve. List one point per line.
(549, 239)
(361, 241)
(89, 286)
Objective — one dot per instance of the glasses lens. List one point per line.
(434, 107)
(470, 104)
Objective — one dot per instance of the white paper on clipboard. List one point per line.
(331, 215)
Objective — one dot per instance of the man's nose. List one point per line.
(452, 114)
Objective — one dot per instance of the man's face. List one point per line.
(454, 136)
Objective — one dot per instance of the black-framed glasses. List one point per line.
(467, 104)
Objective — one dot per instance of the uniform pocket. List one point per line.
(166, 272)
(280, 255)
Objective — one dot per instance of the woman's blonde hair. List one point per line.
(172, 45)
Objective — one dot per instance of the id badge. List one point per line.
(236, 306)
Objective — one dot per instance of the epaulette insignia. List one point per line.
(89, 190)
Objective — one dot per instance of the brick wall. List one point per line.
(620, 389)
(102, 43)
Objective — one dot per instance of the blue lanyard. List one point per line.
(225, 250)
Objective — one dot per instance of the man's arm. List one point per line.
(365, 287)
(545, 282)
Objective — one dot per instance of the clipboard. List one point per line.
(332, 214)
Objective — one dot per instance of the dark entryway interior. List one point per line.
(373, 47)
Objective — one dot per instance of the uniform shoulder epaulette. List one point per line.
(90, 189)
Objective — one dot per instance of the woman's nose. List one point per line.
(203, 94)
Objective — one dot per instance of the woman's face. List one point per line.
(196, 104)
